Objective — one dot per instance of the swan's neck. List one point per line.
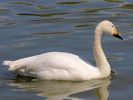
(99, 55)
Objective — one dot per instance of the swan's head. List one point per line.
(109, 28)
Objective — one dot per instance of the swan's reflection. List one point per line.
(59, 90)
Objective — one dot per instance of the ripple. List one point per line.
(41, 7)
(84, 25)
(130, 24)
(70, 3)
(120, 14)
(42, 14)
(94, 9)
(46, 33)
(14, 45)
(115, 58)
(19, 3)
(114, 0)
(4, 9)
(127, 6)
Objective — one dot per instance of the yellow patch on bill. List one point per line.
(115, 31)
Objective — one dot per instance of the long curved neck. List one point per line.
(99, 55)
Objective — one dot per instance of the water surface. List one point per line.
(36, 26)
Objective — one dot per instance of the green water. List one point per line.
(30, 27)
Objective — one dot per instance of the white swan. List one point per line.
(67, 66)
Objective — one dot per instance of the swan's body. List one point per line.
(55, 65)
(66, 66)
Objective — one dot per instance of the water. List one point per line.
(29, 27)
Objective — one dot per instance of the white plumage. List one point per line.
(53, 65)
(66, 66)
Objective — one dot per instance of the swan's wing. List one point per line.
(49, 60)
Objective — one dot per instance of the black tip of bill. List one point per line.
(118, 36)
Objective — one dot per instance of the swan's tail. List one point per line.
(10, 64)
(7, 63)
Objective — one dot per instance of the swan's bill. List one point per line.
(118, 36)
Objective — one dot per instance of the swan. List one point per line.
(67, 66)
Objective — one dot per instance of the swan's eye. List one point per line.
(112, 26)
